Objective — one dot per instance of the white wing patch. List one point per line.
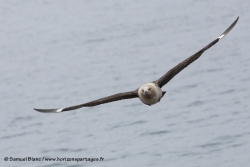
(49, 110)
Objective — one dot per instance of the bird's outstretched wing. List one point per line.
(115, 97)
(175, 70)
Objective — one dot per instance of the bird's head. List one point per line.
(148, 91)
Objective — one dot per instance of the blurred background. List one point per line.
(60, 53)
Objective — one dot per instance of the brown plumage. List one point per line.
(145, 91)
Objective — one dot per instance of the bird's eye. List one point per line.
(149, 88)
(142, 90)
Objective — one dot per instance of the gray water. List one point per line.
(60, 53)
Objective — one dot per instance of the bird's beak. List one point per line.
(146, 92)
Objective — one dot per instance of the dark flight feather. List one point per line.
(175, 70)
(115, 97)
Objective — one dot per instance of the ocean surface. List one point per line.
(60, 53)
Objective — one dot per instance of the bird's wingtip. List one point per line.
(228, 29)
(49, 110)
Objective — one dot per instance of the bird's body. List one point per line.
(149, 93)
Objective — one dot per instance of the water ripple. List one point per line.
(155, 133)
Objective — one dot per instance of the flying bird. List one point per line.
(149, 93)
